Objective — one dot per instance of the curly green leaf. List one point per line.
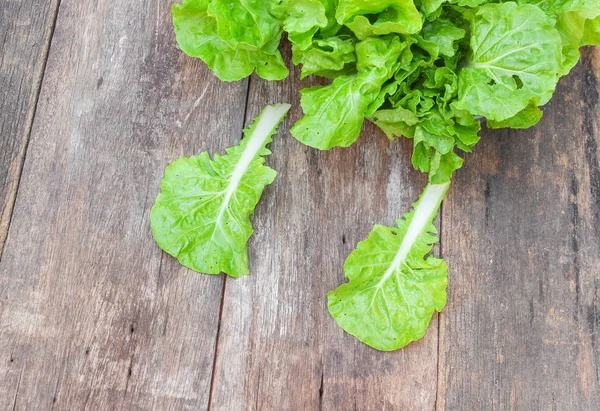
(202, 215)
(394, 284)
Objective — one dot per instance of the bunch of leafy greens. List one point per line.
(428, 70)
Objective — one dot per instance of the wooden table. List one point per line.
(95, 100)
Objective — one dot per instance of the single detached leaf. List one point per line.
(394, 285)
(202, 215)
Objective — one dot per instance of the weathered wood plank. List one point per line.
(25, 31)
(92, 314)
(521, 232)
(278, 347)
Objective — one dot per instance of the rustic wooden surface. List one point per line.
(25, 31)
(521, 232)
(94, 316)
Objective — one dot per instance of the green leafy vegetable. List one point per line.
(433, 71)
(394, 286)
(429, 70)
(202, 215)
(233, 54)
(515, 57)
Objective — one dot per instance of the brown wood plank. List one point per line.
(25, 31)
(521, 232)
(92, 314)
(278, 347)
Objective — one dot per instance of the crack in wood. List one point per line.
(62, 372)
(486, 198)
(129, 373)
(321, 389)
(216, 354)
(14, 407)
(439, 366)
(574, 214)
(55, 396)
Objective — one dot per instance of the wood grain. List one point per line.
(521, 232)
(278, 347)
(92, 314)
(25, 32)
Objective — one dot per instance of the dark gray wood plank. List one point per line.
(92, 314)
(278, 347)
(25, 32)
(521, 232)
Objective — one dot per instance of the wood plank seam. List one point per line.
(7, 211)
(321, 387)
(216, 353)
(439, 391)
(591, 97)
